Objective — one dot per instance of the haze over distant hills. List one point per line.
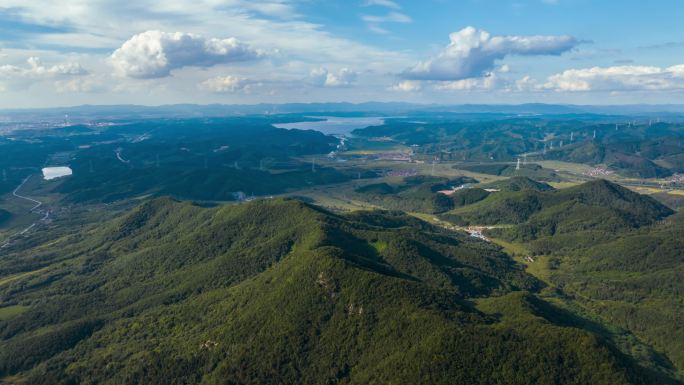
(669, 111)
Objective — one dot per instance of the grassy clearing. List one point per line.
(513, 248)
(425, 217)
(575, 168)
(540, 268)
(8, 312)
(562, 185)
(647, 190)
(15, 277)
(379, 246)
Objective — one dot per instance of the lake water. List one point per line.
(50, 173)
(333, 125)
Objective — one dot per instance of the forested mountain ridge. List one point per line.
(632, 157)
(279, 291)
(639, 150)
(417, 194)
(598, 204)
(630, 278)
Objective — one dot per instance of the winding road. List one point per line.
(38, 203)
(32, 210)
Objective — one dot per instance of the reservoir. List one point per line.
(50, 173)
(333, 125)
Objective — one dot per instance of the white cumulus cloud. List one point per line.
(154, 54)
(489, 82)
(17, 77)
(36, 69)
(407, 86)
(323, 78)
(81, 84)
(618, 78)
(473, 53)
(224, 84)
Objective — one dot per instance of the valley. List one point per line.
(252, 252)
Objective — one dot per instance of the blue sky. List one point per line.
(238, 51)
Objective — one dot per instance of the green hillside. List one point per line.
(418, 193)
(518, 183)
(598, 205)
(631, 279)
(278, 291)
(625, 157)
(468, 196)
(510, 170)
(613, 253)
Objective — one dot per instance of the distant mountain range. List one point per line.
(389, 108)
